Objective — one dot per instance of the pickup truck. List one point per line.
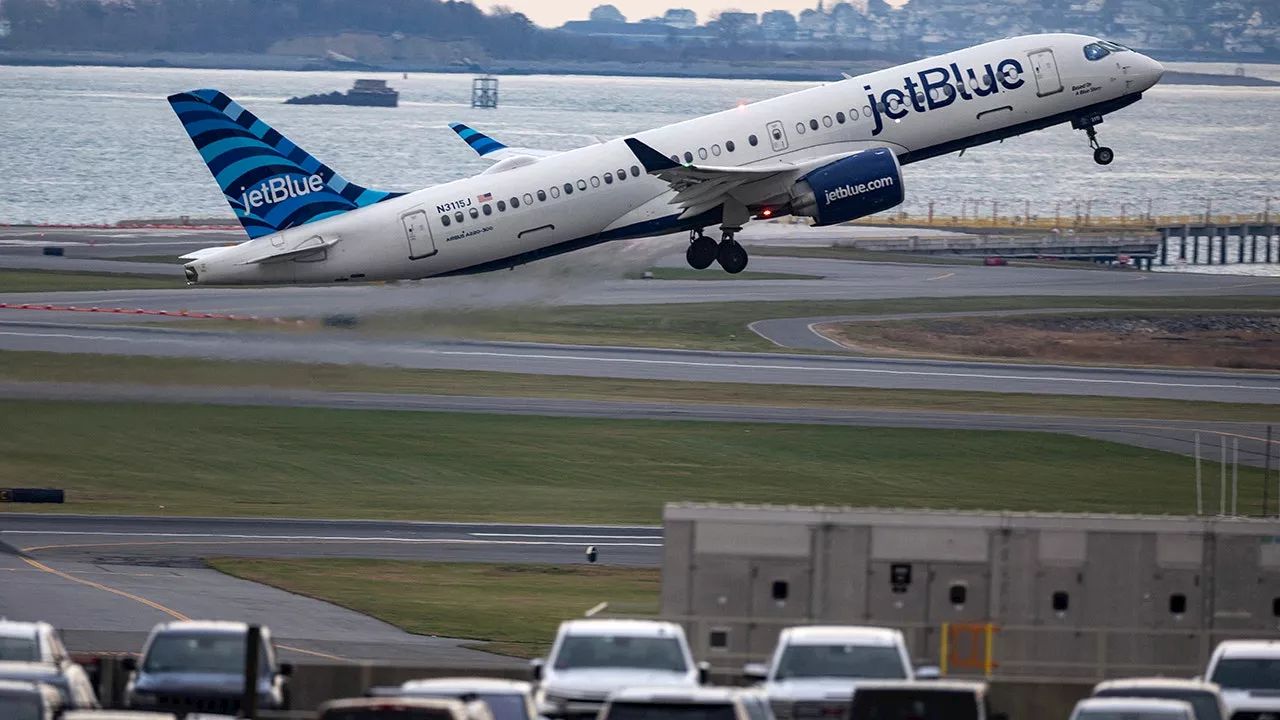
(1247, 673)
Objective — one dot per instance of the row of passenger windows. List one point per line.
(729, 146)
(554, 192)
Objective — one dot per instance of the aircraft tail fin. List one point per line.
(269, 182)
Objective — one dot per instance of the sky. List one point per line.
(553, 13)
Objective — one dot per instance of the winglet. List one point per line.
(652, 160)
(481, 143)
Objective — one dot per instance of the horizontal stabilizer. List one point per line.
(306, 248)
(490, 149)
(205, 253)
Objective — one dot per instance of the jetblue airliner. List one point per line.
(832, 153)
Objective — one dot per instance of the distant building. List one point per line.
(778, 25)
(682, 18)
(607, 14)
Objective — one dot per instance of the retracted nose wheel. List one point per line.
(1103, 155)
(701, 252)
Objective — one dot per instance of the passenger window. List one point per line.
(675, 159)
(568, 188)
(702, 153)
(866, 110)
(608, 178)
(715, 150)
(1178, 604)
(542, 196)
(813, 124)
(502, 206)
(528, 199)
(799, 129)
(444, 220)
(487, 209)
(582, 184)
(840, 118)
(622, 174)
(459, 216)
(779, 590)
(753, 140)
(728, 145)
(635, 171)
(826, 120)
(555, 191)
(688, 156)
(474, 213)
(595, 181)
(920, 98)
(1060, 601)
(515, 203)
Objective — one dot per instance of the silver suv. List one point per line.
(33, 652)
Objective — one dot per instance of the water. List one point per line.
(97, 145)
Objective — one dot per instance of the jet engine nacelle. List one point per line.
(847, 189)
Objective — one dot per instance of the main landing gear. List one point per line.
(1101, 155)
(728, 252)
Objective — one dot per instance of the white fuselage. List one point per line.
(521, 209)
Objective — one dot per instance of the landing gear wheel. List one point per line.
(1103, 155)
(701, 253)
(731, 256)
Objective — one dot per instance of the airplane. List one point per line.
(831, 153)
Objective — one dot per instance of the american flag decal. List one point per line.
(485, 197)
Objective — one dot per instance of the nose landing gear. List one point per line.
(1101, 155)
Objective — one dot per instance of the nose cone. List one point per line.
(1149, 71)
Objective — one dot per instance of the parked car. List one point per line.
(815, 668)
(29, 701)
(1205, 698)
(403, 708)
(929, 700)
(1247, 672)
(1132, 709)
(507, 699)
(681, 703)
(592, 658)
(199, 666)
(33, 652)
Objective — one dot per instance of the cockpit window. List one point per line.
(1113, 47)
(1095, 51)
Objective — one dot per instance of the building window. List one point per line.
(608, 178)
(688, 156)
(458, 216)
(502, 206)
(813, 124)
(840, 118)
(728, 145)
(753, 140)
(1178, 604)
(582, 184)
(542, 196)
(799, 128)
(715, 150)
(718, 639)
(958, 594)
(555, 191)
(595, 181)
(568, 188)
(474, 213)
(1275, 607)
(528, 199)
(488, 210)
(1061, 601)
(444, 220)
(780, 590)
(515, 203)
(702, 153)
(635, 171)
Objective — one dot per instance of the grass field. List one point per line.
(715, 273)
(241, 461)
(62, 281)
(164, 259)
(108, 369)
(509, 609)
(836, 252)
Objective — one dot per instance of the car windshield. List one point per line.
(504, 706)
(620, 651)
(199, 654)
(20, 707)
(388, 712)
(1204, 703)
(1247, 674)
(21, 649)
(843, 661)
(1095, 51)
(913, 705)
(669, 711)
(1129, 715)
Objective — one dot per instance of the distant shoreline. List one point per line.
(792, 71)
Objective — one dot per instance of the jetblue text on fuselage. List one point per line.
(938, 87)
(848, 191)
(279, 189)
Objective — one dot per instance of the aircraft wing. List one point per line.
(700, 188)
(490, 149)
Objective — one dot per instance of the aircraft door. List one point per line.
(777, 135)
(1045, 66)
(419, 234)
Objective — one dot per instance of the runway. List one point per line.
(106, 580)
(647, 363)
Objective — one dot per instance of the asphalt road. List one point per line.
(647, 363)
(106, 580)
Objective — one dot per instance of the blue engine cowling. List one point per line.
(847, 189)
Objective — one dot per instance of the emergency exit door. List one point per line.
(777, 136)
(1045, 67)
(419, 234)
